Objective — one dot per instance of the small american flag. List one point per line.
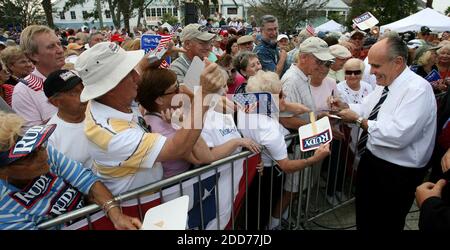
(175, 28)
(310, 29)
(163, 43)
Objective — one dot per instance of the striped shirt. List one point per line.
(123, 152)
(29, 100)
(7, 92)
(57, 192)
(180, 66)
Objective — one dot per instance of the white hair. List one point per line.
(264, 82)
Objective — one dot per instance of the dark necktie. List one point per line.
(373, 117)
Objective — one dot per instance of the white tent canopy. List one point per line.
(331, 26)
(426, 17)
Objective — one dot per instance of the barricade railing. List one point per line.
(138, 192)
(317, 190)
(305, 204)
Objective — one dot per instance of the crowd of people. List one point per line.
(108, 115)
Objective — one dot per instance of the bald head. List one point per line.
(388, 60)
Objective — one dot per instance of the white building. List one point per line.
(75, 17)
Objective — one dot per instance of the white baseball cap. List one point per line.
(196, 31)
(317, 47)
(340, 51)
(103, 66)
(281, 36)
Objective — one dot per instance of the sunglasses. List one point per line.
(204, 43)
(353, 72)
(176, 91)
(325, 63)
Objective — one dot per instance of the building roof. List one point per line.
(336, 4)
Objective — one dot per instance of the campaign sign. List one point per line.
(171, 215)
(149, 42)
(365, 21)
(265, 104)
(310, 140)
(192, 76)
(433, 76)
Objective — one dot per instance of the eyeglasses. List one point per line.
(204, 43)
(353, 72)
(325, 63)
(176, 91)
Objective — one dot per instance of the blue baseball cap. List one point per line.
(25, 145)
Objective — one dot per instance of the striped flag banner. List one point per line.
(164, 43)
(310, 29)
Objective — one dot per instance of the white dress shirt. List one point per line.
(405, 129)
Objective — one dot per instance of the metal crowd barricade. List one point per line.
(309, 201)
(308, 204)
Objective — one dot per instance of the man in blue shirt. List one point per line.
(271, 57)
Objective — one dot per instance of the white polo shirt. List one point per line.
(123, 153)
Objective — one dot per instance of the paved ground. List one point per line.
(344, 218)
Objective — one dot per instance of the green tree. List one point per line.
(447, 11)
(21, 12)
(169, 19)
(289, 13)
(337, 17)
(386, 11)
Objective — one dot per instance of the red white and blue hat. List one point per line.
(25, 145)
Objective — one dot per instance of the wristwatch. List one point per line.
(359, 121)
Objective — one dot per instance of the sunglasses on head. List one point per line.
(176, 91)
(353, 72)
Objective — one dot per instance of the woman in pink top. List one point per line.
(246, 64)
(155, 93)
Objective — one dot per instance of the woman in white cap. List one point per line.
(36, 180)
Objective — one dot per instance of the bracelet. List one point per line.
(110, 207)
(107, 203)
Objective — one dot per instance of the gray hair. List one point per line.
(397, 47)
(389, 34)
(94, 34)
(240, 62)
(268, 19)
